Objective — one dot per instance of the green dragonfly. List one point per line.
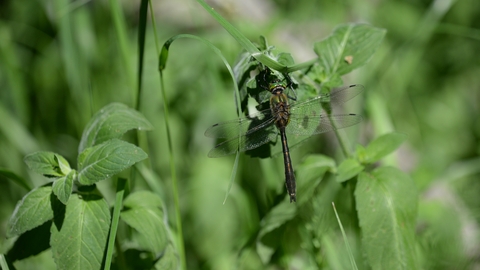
(297, 120)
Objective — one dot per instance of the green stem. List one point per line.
(116, 216)
(341, 138)
(178, 219)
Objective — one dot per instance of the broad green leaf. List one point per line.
(169, 260)
(15, 178)
(46, 163)
(78, 241)
(102, 161)
(33, 210)
(112, 122)
(383, 146)
(309, 174)
(147, 218)
(387, 202)
(348, 169)
(348, 47)
(62, 187)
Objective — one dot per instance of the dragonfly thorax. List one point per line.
(280, 109)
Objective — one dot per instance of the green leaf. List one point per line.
(146, 216)
(348, 169)
(278, 216)
(78, 241)
(169, 259)
(15, 178)
(32, 211)
(243, 40)
(141, 199)
(63, 164)
(102, 161)
(387, 205)
(62, 187)
(348, 47)
(309, 175)
(383, 146)
(46, 163)
(111, 122)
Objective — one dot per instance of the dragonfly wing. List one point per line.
(251, 140)
(344, 94)
(311, 125)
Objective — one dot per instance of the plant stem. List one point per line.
(114, 225)
(178, 219)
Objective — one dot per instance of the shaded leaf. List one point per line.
(143, 198)
(78, 241)
(31, 243)
(111, 122)
(62, 187)
(32, 211)
(348, 169)
(102, 161)
(147, 218)
(45, 163)
(348, 47)
(278, 216)
(387, 205)
(309, 174)
(383, 146)
(169, 260)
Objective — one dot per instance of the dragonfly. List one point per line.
(297, 120)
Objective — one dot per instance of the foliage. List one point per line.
(78, 191)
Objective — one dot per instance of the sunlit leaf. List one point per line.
(383, 146)
(348, 47)
(46, 163)
(348, 169)
(387, 206)
(33, 210)
(102, 161)
(62, 187)
(79, 238)
(112, 122)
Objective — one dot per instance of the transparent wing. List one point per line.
(242, 134)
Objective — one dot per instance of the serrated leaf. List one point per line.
(147, 219)
(383, 146)
(111, 122)
(102, 161)
(78, 241)
(45, 163)
(387, 204)
(62, 187)
(15, 178)
(309, 175)
(348, 169)
(348, 47)
(33, 210)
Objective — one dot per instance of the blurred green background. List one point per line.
(61, 61)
